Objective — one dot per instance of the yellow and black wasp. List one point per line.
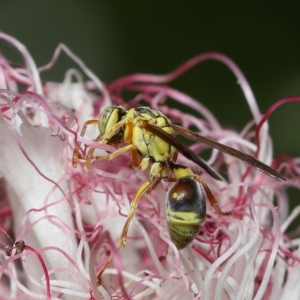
(150, 137)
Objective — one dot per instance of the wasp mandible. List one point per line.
(150, 137)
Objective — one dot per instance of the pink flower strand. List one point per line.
(71, 219)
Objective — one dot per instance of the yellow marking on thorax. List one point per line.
(147, 143)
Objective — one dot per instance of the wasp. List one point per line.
(150, 137)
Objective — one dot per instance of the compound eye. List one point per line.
(110, 117)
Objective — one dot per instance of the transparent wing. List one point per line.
(228, 150)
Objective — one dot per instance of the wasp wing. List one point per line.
(184, 150)
(228, 150)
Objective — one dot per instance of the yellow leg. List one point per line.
(212, 200)
(113, 130)
(90, 153)
(76, 153)
(142, 190)
(110, 156)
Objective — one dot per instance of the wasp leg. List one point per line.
(154, 184)
(107, 136)
(110, 156)
(90, 153)
(76, 154)
(100, 273)
(175, 156)
(135, 159)
(142, 190)
(212, 200)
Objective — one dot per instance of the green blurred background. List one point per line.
(116, 38)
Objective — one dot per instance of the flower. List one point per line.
(64, 223)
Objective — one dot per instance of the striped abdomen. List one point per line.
(185, 211)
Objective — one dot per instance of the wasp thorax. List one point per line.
(185, 211)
